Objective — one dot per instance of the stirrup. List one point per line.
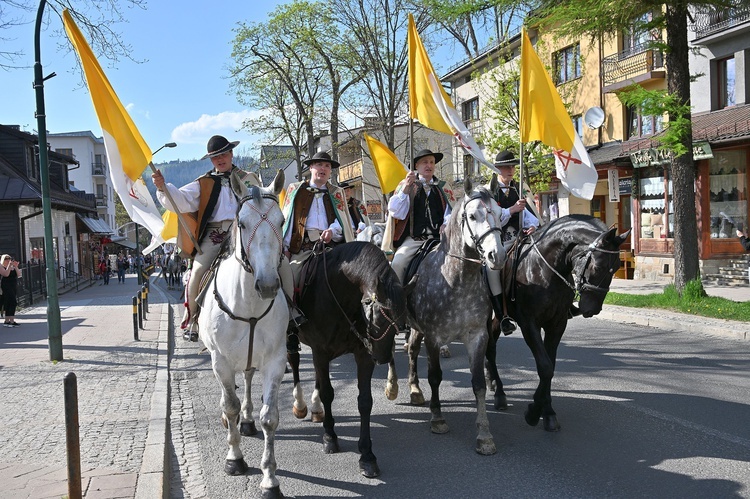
(507, 326)
(296, 318)
(292, 341)
(191, 332)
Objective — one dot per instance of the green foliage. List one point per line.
(693, 301)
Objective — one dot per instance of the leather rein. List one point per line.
(477, 240)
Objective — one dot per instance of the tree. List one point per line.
(594, 18)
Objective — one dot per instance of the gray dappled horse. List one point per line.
(243, 321)
(572, 255)
(173, 271)
(450, 302)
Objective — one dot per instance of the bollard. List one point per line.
(71, 436)
(144, 310)
(140, 311)
(145, 298)
(135, 318)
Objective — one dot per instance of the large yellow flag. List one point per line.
(389, 169)
(543, 117)
(169, 232)
(127, 153)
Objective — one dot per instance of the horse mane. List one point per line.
(371, 266)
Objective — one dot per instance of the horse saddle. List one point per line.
(208, 276)
(422, 252)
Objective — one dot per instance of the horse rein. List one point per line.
(476, 240)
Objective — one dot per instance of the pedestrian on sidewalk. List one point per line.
(122, 266)
(104, 270)
(10, 273)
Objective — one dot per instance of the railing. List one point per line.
(710, 22)
(32, 286)
(99, 169)
(101, 201)
(630, 63)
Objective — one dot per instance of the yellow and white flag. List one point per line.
(389, 169)
(127, 152)
(543, 117)
(430, 104)
(169, 232)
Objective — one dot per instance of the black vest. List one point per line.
(428, 215)
(507, 197)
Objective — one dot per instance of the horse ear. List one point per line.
(411, 285)
(622, 237)
(238, 186)
(467, 185)
(494, 184)
(278, 182)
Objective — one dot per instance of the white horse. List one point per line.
(243, 322)
(373, 233)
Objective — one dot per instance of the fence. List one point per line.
(32, 286)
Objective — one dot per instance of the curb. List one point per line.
(676, 322)
(153, 478)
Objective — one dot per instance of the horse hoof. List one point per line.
(445, 352)
(551, 424)
(486, 446)
(417, 398)
(248, 429)
(501, 402)
(531, 416)
(391, 391)
(330, 445)
(299, 413)
(439, 426)
(272, 493)
(369, 469)
(317, 416)
(235, 467)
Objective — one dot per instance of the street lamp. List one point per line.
(168, 144)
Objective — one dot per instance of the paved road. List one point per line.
(644, 412)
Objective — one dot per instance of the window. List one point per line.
(725, 82)
(568, 64)
(641, 125)
(636, 36)
(471, 166)
(578, 124)
(65, 151)
(728, 192)
(470, 110)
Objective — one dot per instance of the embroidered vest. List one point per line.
(428, 212)
(302, 202)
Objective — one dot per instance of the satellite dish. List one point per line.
(594, 117)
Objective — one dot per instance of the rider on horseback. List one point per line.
(420, 207)
(212, 203)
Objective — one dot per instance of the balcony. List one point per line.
(98, 169)
(476, 129)
(101, 201)
(639, 64)
(711, 22)
(350, 171)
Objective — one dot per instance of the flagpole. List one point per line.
(179, 215)
(521, 194)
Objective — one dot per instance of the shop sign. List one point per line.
(648, 157)
(626, 186)
(613, 184)
(374, 211)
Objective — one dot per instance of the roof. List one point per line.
(726, 125)
(95, 225)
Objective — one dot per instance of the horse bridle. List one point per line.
(477, 240)
(582, 283)
(368, 306)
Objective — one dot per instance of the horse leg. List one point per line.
(545, 368)
(391, 382)
(325, 390)
(368, 463)
(552, 337)
(317, 413)
(485, 443)
(299, 408)
(269, 421)
(501, 400)
(434, 378)
(415, 344)
(247, 422)
(230, 409)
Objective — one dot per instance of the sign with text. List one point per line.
(647, 157)
(613, 183)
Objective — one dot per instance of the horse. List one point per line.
(572, 255)
(354, 303)
(243, 321)
(372, 233)
(450, 301)
(173, 271)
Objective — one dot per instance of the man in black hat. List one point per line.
(210, 204)
(357, 209)
(420, 207)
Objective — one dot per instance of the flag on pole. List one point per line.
(543, 117)
(169, 232)
(389, 169)
(128, 153)
(430, 104)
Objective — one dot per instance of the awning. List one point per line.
(124, 241)
(95, 225)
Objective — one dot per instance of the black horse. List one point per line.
(573, 255)
(354, 303)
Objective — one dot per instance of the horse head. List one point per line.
(385, 313)
(258, 226)
(480, 230)
(594, 268)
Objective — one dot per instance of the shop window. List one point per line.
(549, 208)
(568, 64)
(728, 193)
(655, 201)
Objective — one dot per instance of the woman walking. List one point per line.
(10, 272)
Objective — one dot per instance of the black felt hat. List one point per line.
(321, 156)
(218, 145)
(426, 152)
(506, 158)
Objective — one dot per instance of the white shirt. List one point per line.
(398, 205)
(187, 200)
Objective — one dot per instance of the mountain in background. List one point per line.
(180, 172)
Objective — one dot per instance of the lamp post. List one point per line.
(54, 331)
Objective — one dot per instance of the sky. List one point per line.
(180, 93)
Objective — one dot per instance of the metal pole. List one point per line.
(54, 330)
(140, 310)
(71, 436)
(138, 255)
(135, 318)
